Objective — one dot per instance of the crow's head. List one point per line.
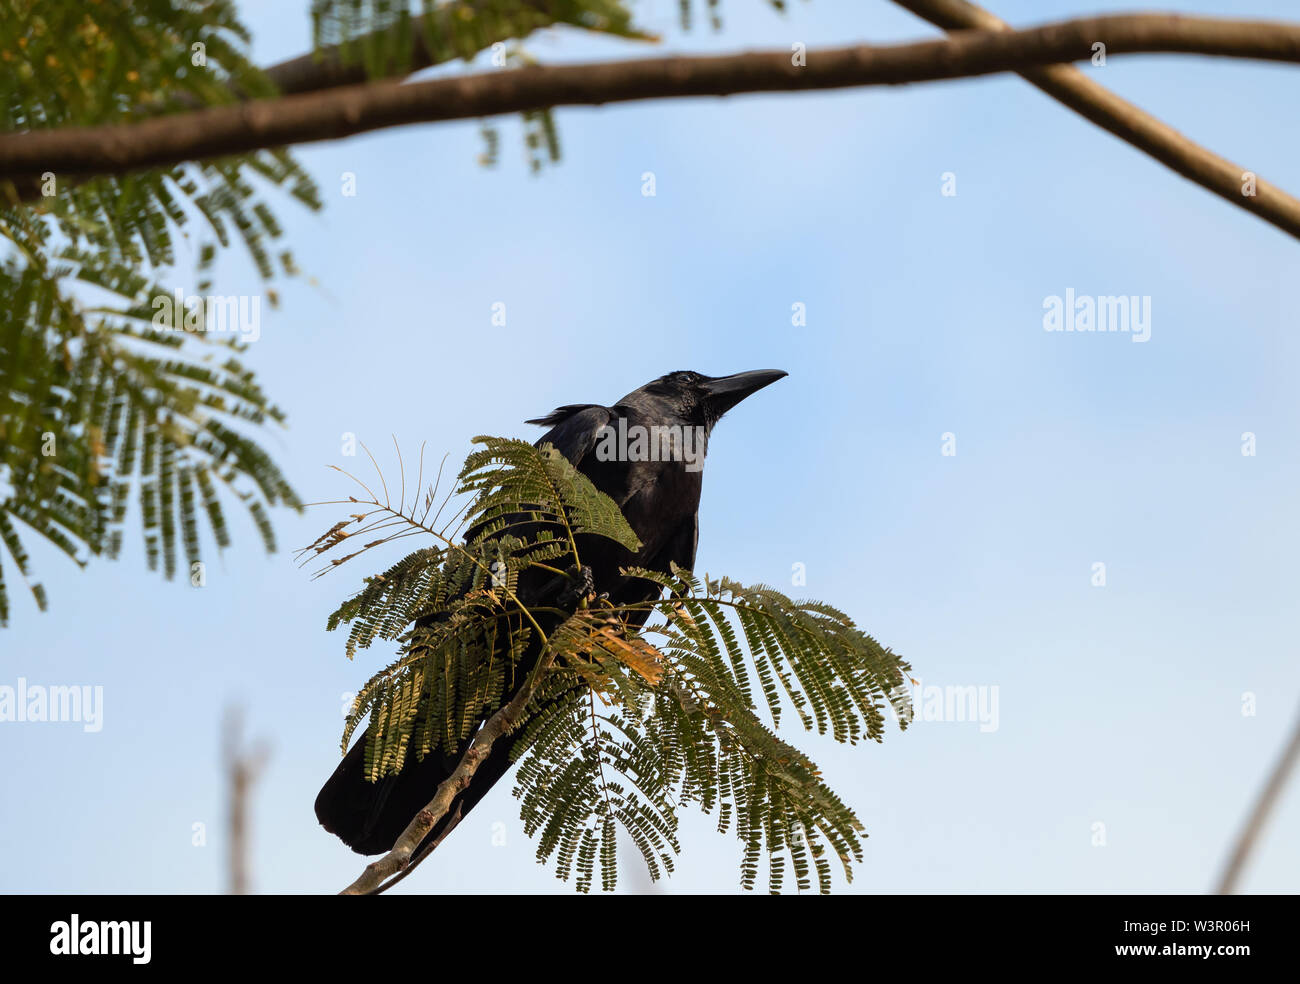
(693, 398)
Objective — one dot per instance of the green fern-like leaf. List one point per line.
(633, 710)
(101, 409)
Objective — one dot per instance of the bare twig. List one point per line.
(242, 768)
(346, 110)
(1268, 798)
(1070, 87)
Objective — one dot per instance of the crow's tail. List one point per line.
(370, 816)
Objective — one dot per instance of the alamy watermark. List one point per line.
(27, 703)
(230, 314)
(953, 702)
(659, 442)
(74, 937)
(1084, 312)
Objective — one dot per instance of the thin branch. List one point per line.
(343, 471)
(401, 466)
(433, 491)
(1070, 87)
(600, 765)
(399, 860)
(452, 822)
(347, 110)
(1268, 799)
(382, 481)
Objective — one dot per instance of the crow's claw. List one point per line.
(581, 584)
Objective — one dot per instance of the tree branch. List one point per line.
(346, 110)
(398, 861)
(326, 68)
(1131, 123)
(243, 767)
(1268, 798)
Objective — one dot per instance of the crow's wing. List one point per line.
(574, 429)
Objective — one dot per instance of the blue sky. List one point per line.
(1119, 705)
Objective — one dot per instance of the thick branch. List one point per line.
(346, 110)
(326, 68)
(1130, 123)
(500, 724)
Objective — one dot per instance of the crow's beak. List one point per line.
(724, 392)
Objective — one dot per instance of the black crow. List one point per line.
(645, 452)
